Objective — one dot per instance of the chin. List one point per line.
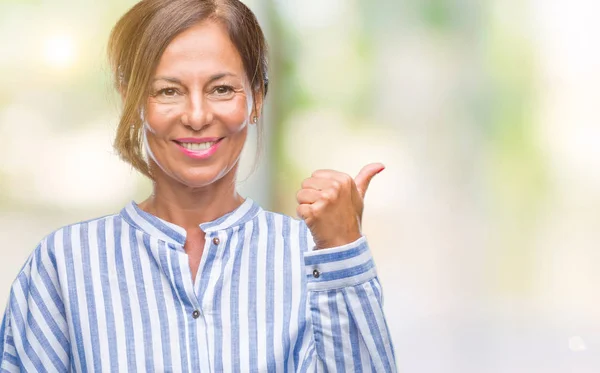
(202, 176)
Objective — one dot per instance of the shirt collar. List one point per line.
(172, 233)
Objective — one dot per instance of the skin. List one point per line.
(200, 89)
(331, 203)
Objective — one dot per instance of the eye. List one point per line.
(168, 92)
(223, 90)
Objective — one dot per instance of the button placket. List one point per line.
(211, 257)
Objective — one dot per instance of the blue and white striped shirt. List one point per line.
(115, 294)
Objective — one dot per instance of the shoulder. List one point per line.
(290, 229)
(278, 221)
(75, 235)
(49, 254)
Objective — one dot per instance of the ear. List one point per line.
(122, 92)
(121, 85)
(258, 105)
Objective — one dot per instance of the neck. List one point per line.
(189, 207)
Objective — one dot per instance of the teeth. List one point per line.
(198, 146)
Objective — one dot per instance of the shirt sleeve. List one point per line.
(34, 331)
(345, 300)
(7, 348)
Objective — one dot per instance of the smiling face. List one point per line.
(198, 109)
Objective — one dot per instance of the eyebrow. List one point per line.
(177, 81)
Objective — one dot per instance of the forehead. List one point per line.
(202, 49)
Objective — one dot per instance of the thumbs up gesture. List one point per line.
(331, 203)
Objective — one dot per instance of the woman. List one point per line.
(197, 278)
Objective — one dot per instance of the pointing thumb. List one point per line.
(365, 175)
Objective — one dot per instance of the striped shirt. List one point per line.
(115, 294)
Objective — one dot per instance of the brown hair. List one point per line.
(139, 39)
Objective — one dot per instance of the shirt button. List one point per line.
(216, 241)
(316, 273)
(196, 314)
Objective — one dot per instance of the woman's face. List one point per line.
(199, 107)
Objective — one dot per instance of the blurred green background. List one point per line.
(485, 225)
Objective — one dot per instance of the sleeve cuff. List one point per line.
(339, 267)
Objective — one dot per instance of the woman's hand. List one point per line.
(331, 203)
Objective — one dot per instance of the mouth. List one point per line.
(197, 146)
(198, 149)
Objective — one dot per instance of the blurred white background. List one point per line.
(485, 224)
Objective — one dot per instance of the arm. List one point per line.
(8, 352)
(345, 300)
(344, 295)
(34, 332)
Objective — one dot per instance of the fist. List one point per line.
(331, 203)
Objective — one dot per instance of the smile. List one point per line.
(199, 149)
(198, 146)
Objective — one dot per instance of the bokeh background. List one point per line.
(485, 225)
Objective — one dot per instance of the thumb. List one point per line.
(365, 175)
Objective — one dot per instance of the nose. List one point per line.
(197, 113)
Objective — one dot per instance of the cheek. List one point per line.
(232, 113)
(160, 118)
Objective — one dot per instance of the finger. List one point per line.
(363, 179)
(318, 183)
(327, 174)
(304, 211)
(308, 196)
(337, 179)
